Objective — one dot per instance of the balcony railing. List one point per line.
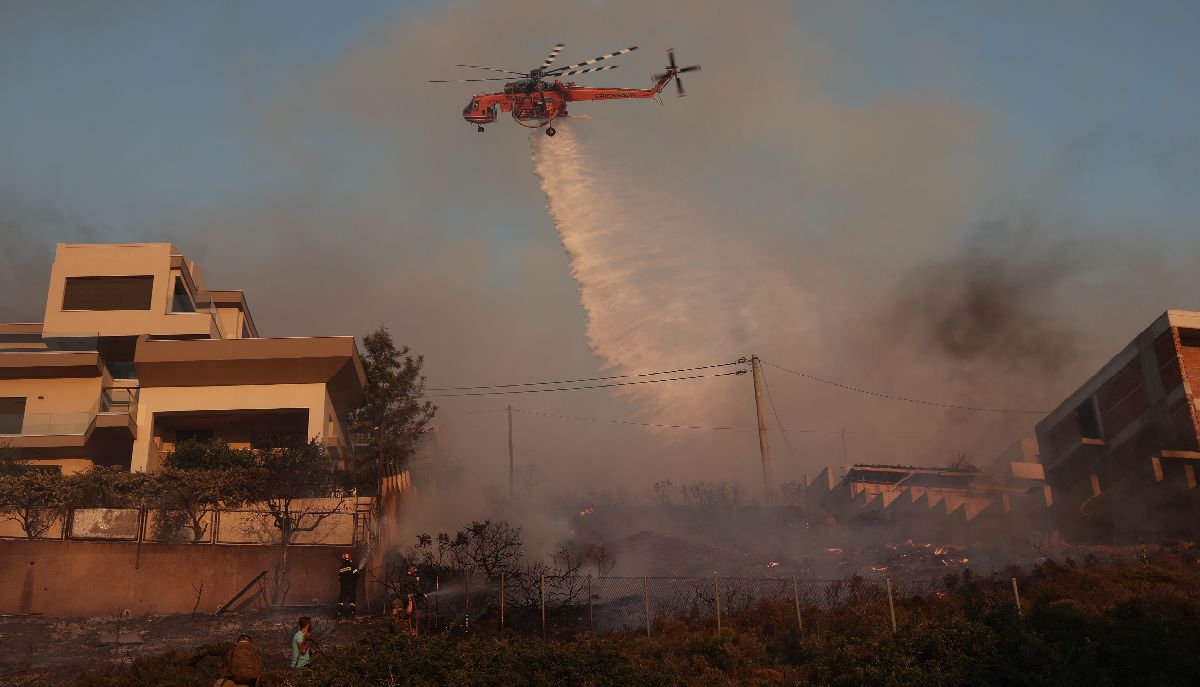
(119, 400)
(44, 424)
(48, 341)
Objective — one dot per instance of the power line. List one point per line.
(903, 398)
(586, 379)
(629, 422)
(672, 426)
(775, 411)
(578, 388)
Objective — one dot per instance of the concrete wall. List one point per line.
(152, 259)
(83, 579)
(56, 395)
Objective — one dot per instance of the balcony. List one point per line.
(59, 354)
(44, 424)
(119, 400)
(29, 338)
(100, 433)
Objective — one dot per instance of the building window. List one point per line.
(197, 435)
(108, 293)
(181, 301)
(12, 415)
(1089, 424)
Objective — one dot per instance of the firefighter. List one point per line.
(348, 580)
(405, 615)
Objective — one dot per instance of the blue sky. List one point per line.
(135, 111)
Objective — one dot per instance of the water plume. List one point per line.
(660, 287)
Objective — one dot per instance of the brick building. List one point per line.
(1120, 453)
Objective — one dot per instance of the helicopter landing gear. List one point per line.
(479, 128)
(550, 131)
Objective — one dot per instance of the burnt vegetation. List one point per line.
(1124, 623)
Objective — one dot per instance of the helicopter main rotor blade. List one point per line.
(463, 80)
(552, 56)
(493, 69)
(679, 86)
(671, 56)
(693, 68)
(594, 60)
(585, 71)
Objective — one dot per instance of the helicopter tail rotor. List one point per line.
(675, 70)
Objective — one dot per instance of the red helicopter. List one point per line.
(538, 96)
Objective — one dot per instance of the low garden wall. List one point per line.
(89, 578)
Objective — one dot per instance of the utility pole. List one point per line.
(510, 455)
(764, 447)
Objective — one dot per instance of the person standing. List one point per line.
(301, 643)
(348, 581)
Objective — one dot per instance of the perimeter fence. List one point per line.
(565, 606)
(343, 523)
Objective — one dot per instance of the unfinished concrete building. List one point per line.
(1120, 453)
(945, 503)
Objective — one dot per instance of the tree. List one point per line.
(490, 547)
(284, 479)
(705, 493)
(961, 462)
(183, 498)
(494, 548)
(197, 477)
(34, 499)
(110, 487)
(11, 461)
(663, 493)
(209, 455)
(395, 414)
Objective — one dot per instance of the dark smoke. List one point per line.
(29, 233)
(998, 299)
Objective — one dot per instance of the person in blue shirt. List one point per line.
(301, 643)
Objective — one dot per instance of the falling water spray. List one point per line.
(661, 283)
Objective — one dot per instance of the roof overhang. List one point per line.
(333, 361)
(50, 364)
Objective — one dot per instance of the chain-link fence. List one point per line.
(562, 606)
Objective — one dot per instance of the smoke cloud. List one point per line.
(995, 300)
(867, 238)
